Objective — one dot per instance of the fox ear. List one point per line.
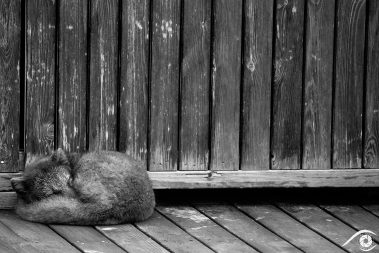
(59, 156)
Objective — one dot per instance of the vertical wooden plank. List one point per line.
(226, 75)
(103, 75)
(318, 84)
(287, 90)
(255, 153)
(72, 75)
(40, 75)
(371, 155)
(348, 105)
(134, 78)
(10, 38)
(194, 131)
(164, 85)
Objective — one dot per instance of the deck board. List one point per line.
(204, 229)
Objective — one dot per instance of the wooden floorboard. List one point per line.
(246, 228)
(372, 208)
(290, 229)
(204, 229)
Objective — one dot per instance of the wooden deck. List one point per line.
(231, 227)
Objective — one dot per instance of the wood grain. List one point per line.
(103, 75)
(287, 89)
(226, 75)
(204, 229)
(164, 85)
(10, 38)
(195, 85)
(72, 75)
(289, 229)
(371, 149)
(348, 105)
(12, 243)
(5, 184)
(171, 236)
(8, 200)
(318, 84)
(134, 78)
(246, 228)
(40, 76)
(35, 235)
(255, 153)
(270, 178)
(131, 239)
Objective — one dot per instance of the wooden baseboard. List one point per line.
(265, 179)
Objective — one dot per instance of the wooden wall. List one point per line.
(193, 84)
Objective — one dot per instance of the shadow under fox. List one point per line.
(101, 187)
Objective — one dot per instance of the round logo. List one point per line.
(365, 241)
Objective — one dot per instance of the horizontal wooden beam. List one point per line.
(265, 179)
(8, 200)
(5, 184)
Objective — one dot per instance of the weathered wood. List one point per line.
(348, 105)
(8, 200)
(103, 75)
(131, 239)
(164, 85)
(323, 223)
(372, 208)
(255, 153)
(356, 217)
(12, 243)
(246, 228)
(255, 179)
(10, 38)
(318, 84)
(371, 150)
(72, 75)
(195, 85)
(40, 76)
(287, 89)
(226, 75)
(5, 184)
(289, 229)
(170, 236)
(134, 78)
(87, 239)
(35, 235)
(204, 229)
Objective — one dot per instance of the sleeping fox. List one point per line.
(98, 188)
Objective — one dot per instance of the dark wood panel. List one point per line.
(72, 75)
(103, 75)
(318, 84)
(348, 105)
(255, 153)
(226, 75)
(287, 89)
(195, 84)
(164, 85)
(134, 78)
(371, 151)
(40, 76)
(10, 38)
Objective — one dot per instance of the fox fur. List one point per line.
(97, 188)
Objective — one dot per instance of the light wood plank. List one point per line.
(131, 239)
(356, 217)
(246, 228)
(256, 90)
(37, 235)
(10, 26)
(171, 236)
(8, 200)
(5, 184)
(204, 229)
(318, 84)
(195, 85)
(290, 229)
(87, 239)
(254, 179)
(324, 223)
(226, 75)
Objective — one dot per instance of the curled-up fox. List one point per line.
(96, 188)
